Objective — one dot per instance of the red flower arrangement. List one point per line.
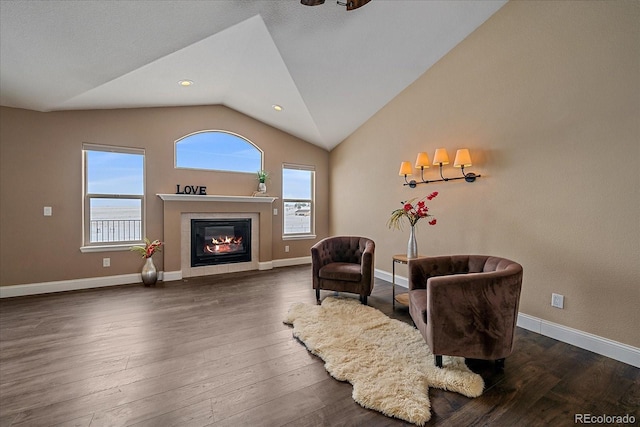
(148, 249)
(413, 212)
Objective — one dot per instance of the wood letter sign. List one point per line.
(192, 189)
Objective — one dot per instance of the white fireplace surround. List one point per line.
(185, 244)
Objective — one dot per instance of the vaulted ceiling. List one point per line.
(329, 68)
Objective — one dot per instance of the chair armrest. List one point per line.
(367, 261)
(367, 254)
(421, 269)
(319, 257)
(460, 300)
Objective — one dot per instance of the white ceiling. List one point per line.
(330, 69)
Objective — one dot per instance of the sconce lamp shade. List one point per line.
(422, 161)
(405, 169)
(441, 157)
(463, 158)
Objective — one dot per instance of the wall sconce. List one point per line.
(441, 158)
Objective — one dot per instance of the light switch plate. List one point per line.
(48, 211)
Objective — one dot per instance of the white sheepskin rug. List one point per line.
(387, 361)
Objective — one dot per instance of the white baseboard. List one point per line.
(172, 275)
(268, 265)
(606, 347)
(599, 345)
(69, 285)
(287, 262)
(388, 277)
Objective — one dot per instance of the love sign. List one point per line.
(191, 189)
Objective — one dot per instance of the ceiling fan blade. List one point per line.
(311, 2)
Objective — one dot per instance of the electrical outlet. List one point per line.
(106, 262)
(557, 300)
(286, 248)
(48, 211)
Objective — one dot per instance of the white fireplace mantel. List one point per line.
(214, 198)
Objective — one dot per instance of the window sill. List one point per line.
(109, 248)
(299, 237)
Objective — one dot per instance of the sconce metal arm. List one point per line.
(468, 177)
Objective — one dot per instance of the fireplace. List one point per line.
(220, 241)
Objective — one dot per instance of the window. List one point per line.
(218, 150)
(297, 197)
(113, 195)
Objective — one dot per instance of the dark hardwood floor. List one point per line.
(214, 351)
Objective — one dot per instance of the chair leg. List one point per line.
(318, 295)
(439, 360)
(363, 299)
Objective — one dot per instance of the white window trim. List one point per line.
(119, 245)
(312, 233)
(298, 236)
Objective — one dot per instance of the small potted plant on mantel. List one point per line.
(262, 178)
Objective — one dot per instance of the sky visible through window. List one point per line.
(115, 173)
(296, 184)
(218, 150)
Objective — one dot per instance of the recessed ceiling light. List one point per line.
(185, 83)
(277, 107)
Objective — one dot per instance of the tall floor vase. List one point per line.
(149, 273)
(412, 245)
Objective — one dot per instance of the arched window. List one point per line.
(218, 150)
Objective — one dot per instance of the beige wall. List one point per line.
(41, 165)
(546, 96)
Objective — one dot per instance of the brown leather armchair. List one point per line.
(466, 305)
(343, 264)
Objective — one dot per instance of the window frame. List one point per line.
(87, 245)
(248, 141)
(312, 232)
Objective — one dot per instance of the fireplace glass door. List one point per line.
(220, 241)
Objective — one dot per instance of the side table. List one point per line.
(402, 298)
